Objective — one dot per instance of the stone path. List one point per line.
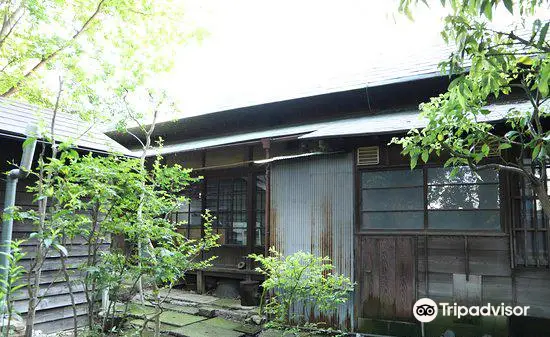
(192, 315)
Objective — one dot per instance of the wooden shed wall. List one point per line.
(446, 268)
(55, 311)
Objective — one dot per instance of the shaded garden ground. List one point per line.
(188, 314)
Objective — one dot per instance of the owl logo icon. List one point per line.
(425, 310)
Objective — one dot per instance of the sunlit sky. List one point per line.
(260, 51)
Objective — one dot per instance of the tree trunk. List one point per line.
(35, 273)
(70, 287)
(159, 309)
(542, 194)
(33, 302)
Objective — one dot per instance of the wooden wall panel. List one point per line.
(227, 256)
(55, 311)
(443, 268)
(386, 277)
(386, 254)
(490, 262)
(532, 289)
(370, 280)
(467, 289)
(405, 273)
(440, 285)
(497, 289)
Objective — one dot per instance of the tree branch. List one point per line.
(521, 40)
(7, 23)
(49, 57)
(535, 116)
(475, 167)
(528, 43)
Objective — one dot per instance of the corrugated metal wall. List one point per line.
(312, 210)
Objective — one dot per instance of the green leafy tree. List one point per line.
(93, 198)
(97, 46)
(300, 279)
(96, 198)
(490, 63)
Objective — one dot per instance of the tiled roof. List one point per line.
(16, 118)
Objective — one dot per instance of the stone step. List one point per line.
(214, 327)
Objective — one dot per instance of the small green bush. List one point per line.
(300, 278)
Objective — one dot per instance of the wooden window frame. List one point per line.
(518, 198)
(251, 174)
(425, 230)
(178, 215)
(231, 212)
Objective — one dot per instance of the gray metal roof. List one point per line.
(380, 123)
(399, 121)
(16, 118)
(238, 138)
(409, 65)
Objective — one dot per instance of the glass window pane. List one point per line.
(195, 219)
(392, 220)
(397, 178)
(464, 220)
(463, 197)
(442, 175)
(226, 198)
(394, 199)
(260, 210)
(392, 192)
(238, 233)
(196, 205)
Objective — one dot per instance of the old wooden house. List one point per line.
(316, 173)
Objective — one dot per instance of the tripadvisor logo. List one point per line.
(425, 310)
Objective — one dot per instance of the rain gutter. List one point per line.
(13, 176)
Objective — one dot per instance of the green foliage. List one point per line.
(300, 279)
(489, 64)
(11, 285)
(99, 47)
(95, 198)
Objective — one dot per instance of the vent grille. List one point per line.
(368, 155)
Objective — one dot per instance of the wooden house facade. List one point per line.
(54, 312)
(317, 174)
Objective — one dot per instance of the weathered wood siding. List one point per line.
(532, 288)
(54, 311)
(449, 268)
(387, 271)
(465, 269)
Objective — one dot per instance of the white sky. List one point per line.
(258, 51)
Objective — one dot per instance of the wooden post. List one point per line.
(251, 210)
(266, 144)
(201, 282)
